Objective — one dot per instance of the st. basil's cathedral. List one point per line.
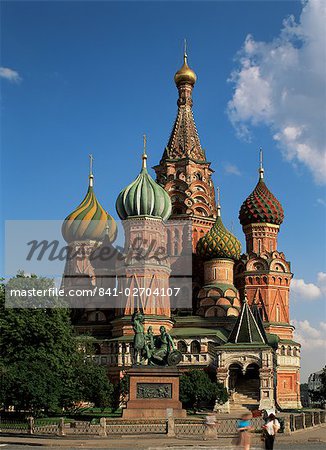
(237, 323)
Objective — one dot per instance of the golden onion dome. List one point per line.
(185, 74)
(89, 221)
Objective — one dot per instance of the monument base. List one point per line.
(153, 393)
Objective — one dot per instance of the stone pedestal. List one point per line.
(152, 391)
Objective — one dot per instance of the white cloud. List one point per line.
(232, 169)
(308, 336)
(321, 280)
(304, 291)
(282, 84)
(321, 201)
(313, 346)
(10, 75)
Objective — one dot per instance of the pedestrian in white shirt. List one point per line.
(270, 429)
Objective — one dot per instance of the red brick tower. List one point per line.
(265, 275)
(143, 274)
(184, 171)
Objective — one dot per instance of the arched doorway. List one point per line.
(235, 376)
(251, 382)
(245, 382)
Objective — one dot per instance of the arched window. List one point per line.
(283, 350)
(200, 199)
(195, 347)
(182, 347)
(295, 351)
(259, 246)
(201, 211)
(289, 351)
(278, 319)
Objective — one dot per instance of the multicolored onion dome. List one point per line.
(219, 242)
(89, 220)
(185, 74)
(261, 206)
(143, 197)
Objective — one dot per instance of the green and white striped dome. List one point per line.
(143, 197)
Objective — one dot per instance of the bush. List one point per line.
(197, 387)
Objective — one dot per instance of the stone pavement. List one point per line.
(313, 438)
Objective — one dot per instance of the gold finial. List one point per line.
(144, 157)
(218, 202)
(245, 299)
(185, 56)
(261, 168)
(185, 74)
(91, 176)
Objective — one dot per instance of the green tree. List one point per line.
(319, 395)
(43, 367)
(197, 387)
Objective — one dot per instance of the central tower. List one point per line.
(184, 171)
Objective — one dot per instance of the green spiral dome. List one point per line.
(143, 197)
(219, 243)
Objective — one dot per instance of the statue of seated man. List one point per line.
(163, 346)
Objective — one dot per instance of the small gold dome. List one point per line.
(185, 74)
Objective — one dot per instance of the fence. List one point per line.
(225, 427)
(296, 422)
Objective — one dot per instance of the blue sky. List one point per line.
(81, 77)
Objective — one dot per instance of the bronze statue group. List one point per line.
(150, 349)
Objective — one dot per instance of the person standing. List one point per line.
(270, 429)
(244, 428)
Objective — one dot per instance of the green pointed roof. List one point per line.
(143, 197)
(219, 242)
(246, 329)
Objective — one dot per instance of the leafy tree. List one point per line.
(43, 367)
(196, 387)
(304, 394)
(319, 396)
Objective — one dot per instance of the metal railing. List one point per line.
(225, 427)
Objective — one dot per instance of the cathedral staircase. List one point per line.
(246, 397)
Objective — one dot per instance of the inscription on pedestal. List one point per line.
(154, 390)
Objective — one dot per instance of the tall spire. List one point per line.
(144, 157)
(261, 168)
(91, 176)
(218, 203)
(184, 141)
